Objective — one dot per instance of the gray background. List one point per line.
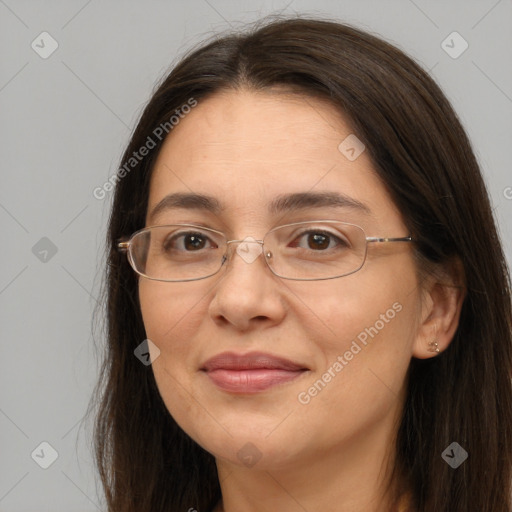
(63, 125)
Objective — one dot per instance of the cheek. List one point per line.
(364, 359)
(169, 311)
(358, 305)
(172, 316)
(368, 328)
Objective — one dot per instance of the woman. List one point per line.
(313, 311)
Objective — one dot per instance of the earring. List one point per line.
(433, 346)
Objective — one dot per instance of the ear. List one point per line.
(443, 296)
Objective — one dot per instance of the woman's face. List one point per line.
(350, 339)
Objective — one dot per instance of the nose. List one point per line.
(247, 293)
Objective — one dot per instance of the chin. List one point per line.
(252, 453)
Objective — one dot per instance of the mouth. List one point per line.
(250, 373)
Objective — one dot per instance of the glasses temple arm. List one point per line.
(401, 239)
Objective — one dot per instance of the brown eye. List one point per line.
(194, 241)
(319, 241)
(186, 242)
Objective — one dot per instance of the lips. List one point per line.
(250, 373)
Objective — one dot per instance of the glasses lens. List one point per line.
(177, 253)
(315, 250)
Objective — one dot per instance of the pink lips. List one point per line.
(250, 373)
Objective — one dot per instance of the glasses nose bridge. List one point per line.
(246, 254)
(246, 240)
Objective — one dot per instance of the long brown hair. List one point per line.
(422, 154)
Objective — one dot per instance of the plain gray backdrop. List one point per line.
(65, 119)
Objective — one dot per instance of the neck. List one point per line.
(350, 477)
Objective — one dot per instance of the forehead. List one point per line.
(232, 123)
(249, 147)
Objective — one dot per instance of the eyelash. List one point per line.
(330, 235)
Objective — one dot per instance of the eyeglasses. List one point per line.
(303, 251)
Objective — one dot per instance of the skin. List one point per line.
(335, 452)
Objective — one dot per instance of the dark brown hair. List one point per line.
(423, 156)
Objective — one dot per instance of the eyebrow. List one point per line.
(281, 204)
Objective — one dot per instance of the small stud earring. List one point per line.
(433, 346)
